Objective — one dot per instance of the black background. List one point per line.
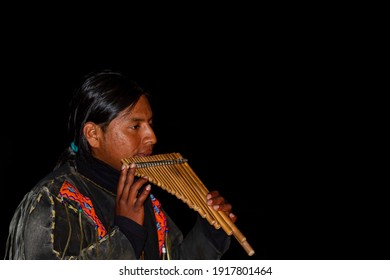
(264, 115)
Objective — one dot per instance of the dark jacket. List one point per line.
(82, 225)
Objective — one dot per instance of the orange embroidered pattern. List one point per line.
(161, 222)
(85, 205)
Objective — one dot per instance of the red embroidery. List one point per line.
(85, 204)
(161, 222)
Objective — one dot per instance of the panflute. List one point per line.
(172, 173)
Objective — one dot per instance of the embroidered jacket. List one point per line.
(66, 216)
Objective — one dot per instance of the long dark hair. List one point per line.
(100, 98)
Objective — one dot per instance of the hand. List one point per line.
(129, 201)
(215, 200)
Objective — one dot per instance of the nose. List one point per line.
(150, 136)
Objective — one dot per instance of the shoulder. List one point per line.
(51, 188)
(52, 183)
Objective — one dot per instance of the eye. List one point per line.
(134, 127)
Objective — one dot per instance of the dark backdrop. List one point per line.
(271, 124)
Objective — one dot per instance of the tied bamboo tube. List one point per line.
(173, 174)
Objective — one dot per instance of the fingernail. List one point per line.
(216, 207)
(132, 165)
(148, 187)
(231, 215)
(123, 166)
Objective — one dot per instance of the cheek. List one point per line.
(118, 141)
(123, 142)
(119, 138)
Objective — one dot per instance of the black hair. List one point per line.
(100, 98)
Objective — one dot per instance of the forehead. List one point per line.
(141, 109)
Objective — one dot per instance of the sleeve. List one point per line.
(203, 242)
(43, 227)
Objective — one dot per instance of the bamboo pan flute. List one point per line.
(173, 174)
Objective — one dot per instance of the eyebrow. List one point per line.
(134, 119)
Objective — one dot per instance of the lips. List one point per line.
(143, 154)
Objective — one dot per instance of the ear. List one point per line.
(92, 134)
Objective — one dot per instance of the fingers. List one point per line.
(130, 197)
(142, 196)
(121, 182)
(215, 200)
(218, 203)
(128, 186)
(233, 217)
